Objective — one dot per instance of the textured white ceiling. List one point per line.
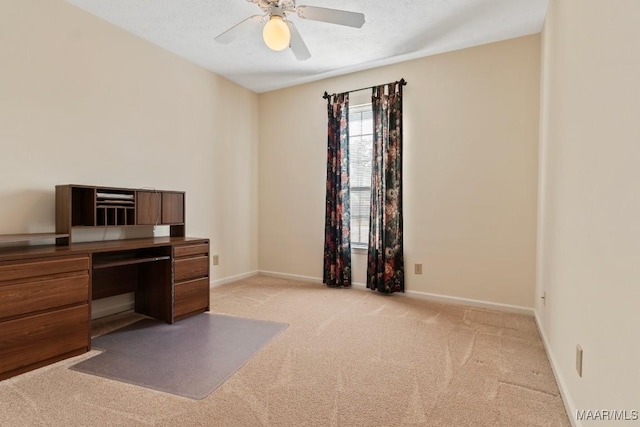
(394, 31)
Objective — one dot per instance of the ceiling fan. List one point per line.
(279, 32)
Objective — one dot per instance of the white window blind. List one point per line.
(360, 152)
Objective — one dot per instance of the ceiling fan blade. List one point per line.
(333, 16)
(229, 35)
(298, 47)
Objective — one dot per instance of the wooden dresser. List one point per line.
(44, 311)
(191, 279)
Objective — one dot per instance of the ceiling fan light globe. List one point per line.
(276, 34)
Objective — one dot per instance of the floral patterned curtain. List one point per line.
(337, 233)
(385, 263)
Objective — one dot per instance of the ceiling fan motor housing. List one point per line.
(276, 7)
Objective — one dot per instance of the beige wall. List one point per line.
(589, 242)
(84, 102)
(470, 170)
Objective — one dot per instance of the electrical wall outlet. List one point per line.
(579, 360)
(216, 259)
(417, 268)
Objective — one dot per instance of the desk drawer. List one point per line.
(36, 338)
(42, 267)
(18, 298)
(191, 296)
(190, 250)
(191, 268)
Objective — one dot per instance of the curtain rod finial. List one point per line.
(326, 95)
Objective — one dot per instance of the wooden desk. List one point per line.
(46, 292)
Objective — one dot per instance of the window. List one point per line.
(360, 152)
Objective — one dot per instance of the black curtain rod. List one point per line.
(402, 81)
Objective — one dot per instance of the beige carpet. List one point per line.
(349, 358)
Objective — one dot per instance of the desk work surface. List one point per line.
(16, 253)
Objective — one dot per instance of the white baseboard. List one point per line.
(472, 302)
(291, 276)
(113, 305)
(416, 294)
(562, 386)
(215, 283)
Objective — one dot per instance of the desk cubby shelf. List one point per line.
(115, 208)
(82, 206)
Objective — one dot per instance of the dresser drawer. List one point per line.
(23, 297)
(42, 267)
(190, 250)
(191, 296)
(191, 268)
(37, 338)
